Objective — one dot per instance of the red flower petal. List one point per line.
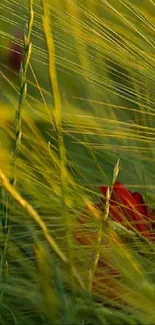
(15, 53)
(146, 209)
(124, 206)
(103, 190)
(147, 212)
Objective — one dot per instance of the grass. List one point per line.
(89, 104)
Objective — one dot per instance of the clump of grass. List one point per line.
(90, 100)
(18, 130)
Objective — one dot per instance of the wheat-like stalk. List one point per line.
(100, 231)
(57, 116)
(16, 144)
(23, 89)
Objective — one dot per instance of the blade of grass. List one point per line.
(32, 212)
(58, 127)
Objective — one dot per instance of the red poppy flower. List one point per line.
(15, 53)
(126, 208)
(130, 210)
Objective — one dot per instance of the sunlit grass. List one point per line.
(92, 69)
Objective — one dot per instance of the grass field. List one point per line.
(78, 115)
